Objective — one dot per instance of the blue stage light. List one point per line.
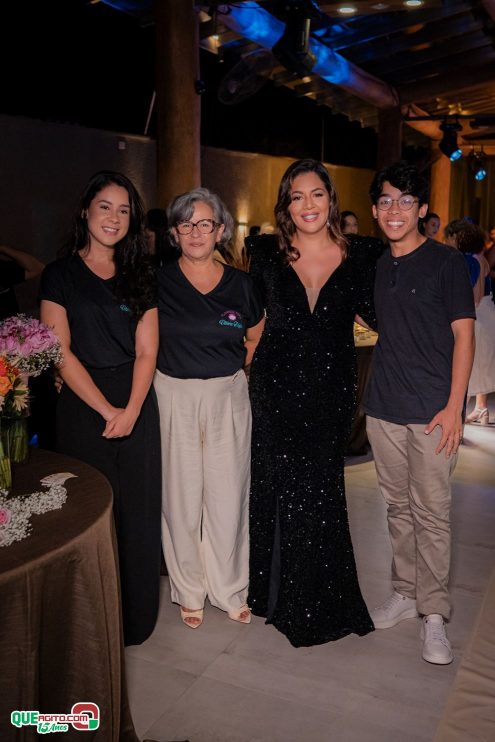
(448, 145)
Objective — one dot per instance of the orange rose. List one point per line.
(5, 385)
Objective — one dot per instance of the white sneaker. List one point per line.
(395, 609)
(436, 646)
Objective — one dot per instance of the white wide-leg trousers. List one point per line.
(206, 437)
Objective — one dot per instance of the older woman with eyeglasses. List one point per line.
(210, 323)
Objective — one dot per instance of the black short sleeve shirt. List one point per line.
(417, 297)
(102, 329)
(202, 335)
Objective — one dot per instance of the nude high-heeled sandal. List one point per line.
(237, 615)
(192, 614)
(478, 415)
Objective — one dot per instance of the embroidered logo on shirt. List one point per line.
(231, 318)
(124, 308)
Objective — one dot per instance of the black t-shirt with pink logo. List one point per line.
(202, 335)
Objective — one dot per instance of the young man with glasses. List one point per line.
(415, 401)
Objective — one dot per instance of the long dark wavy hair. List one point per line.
(135, 283)
(285, 225)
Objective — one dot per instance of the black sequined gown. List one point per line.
(303, 383)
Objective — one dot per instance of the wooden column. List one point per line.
(178, 104)
(441, 172)
(389, 136)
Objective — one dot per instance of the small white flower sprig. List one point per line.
(16, 512)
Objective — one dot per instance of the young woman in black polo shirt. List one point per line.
(101, 301)
(210, 322)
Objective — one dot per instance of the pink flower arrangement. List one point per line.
(5, 516)
(29, 344)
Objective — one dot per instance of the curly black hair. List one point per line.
(403, 176)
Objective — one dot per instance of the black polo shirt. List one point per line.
(417, 297)
(202, 335)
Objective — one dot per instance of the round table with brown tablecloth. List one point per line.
(60, 619)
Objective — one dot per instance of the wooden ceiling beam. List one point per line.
(409, 61)
(375, 27)
(446, 84)
(446, 30)
(453, 64)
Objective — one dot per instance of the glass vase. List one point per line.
(18, 439)
(5, 466)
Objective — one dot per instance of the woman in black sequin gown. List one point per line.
(303, 383)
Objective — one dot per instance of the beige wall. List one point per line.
(45, 166)
(248, 183)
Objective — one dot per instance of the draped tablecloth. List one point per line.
(365, 341)
(60, 620)
(469, 714)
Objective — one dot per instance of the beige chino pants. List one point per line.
(206, 437)
(415, 482)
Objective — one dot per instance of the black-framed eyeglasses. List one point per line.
(204, 226)
(405, 203)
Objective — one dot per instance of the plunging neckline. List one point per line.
(323, 286)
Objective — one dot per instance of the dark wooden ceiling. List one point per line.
(438, 58)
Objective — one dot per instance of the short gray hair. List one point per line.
(182, 208)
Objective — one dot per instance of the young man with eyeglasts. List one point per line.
(415, 401)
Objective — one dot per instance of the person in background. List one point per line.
(452, 232)
(490, 256)
(453, 228)
(490, 239)
(160, 246)
(430, 225)
(101, 301)
(303, 577)
(470, 240)
(415, 401)
(210, 323)
(16, 267)
(349, 222)
(267, 228)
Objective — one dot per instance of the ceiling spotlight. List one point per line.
(413, 3)
(347, 9)
(449, 145)
(478, 164)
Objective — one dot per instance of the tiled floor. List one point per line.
(228, 682)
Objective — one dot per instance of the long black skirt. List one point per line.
(133, 467)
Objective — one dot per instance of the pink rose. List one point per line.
(5, 516)
(39, 341)
(25, 350)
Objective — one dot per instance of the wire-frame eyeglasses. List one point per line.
(405, 203)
